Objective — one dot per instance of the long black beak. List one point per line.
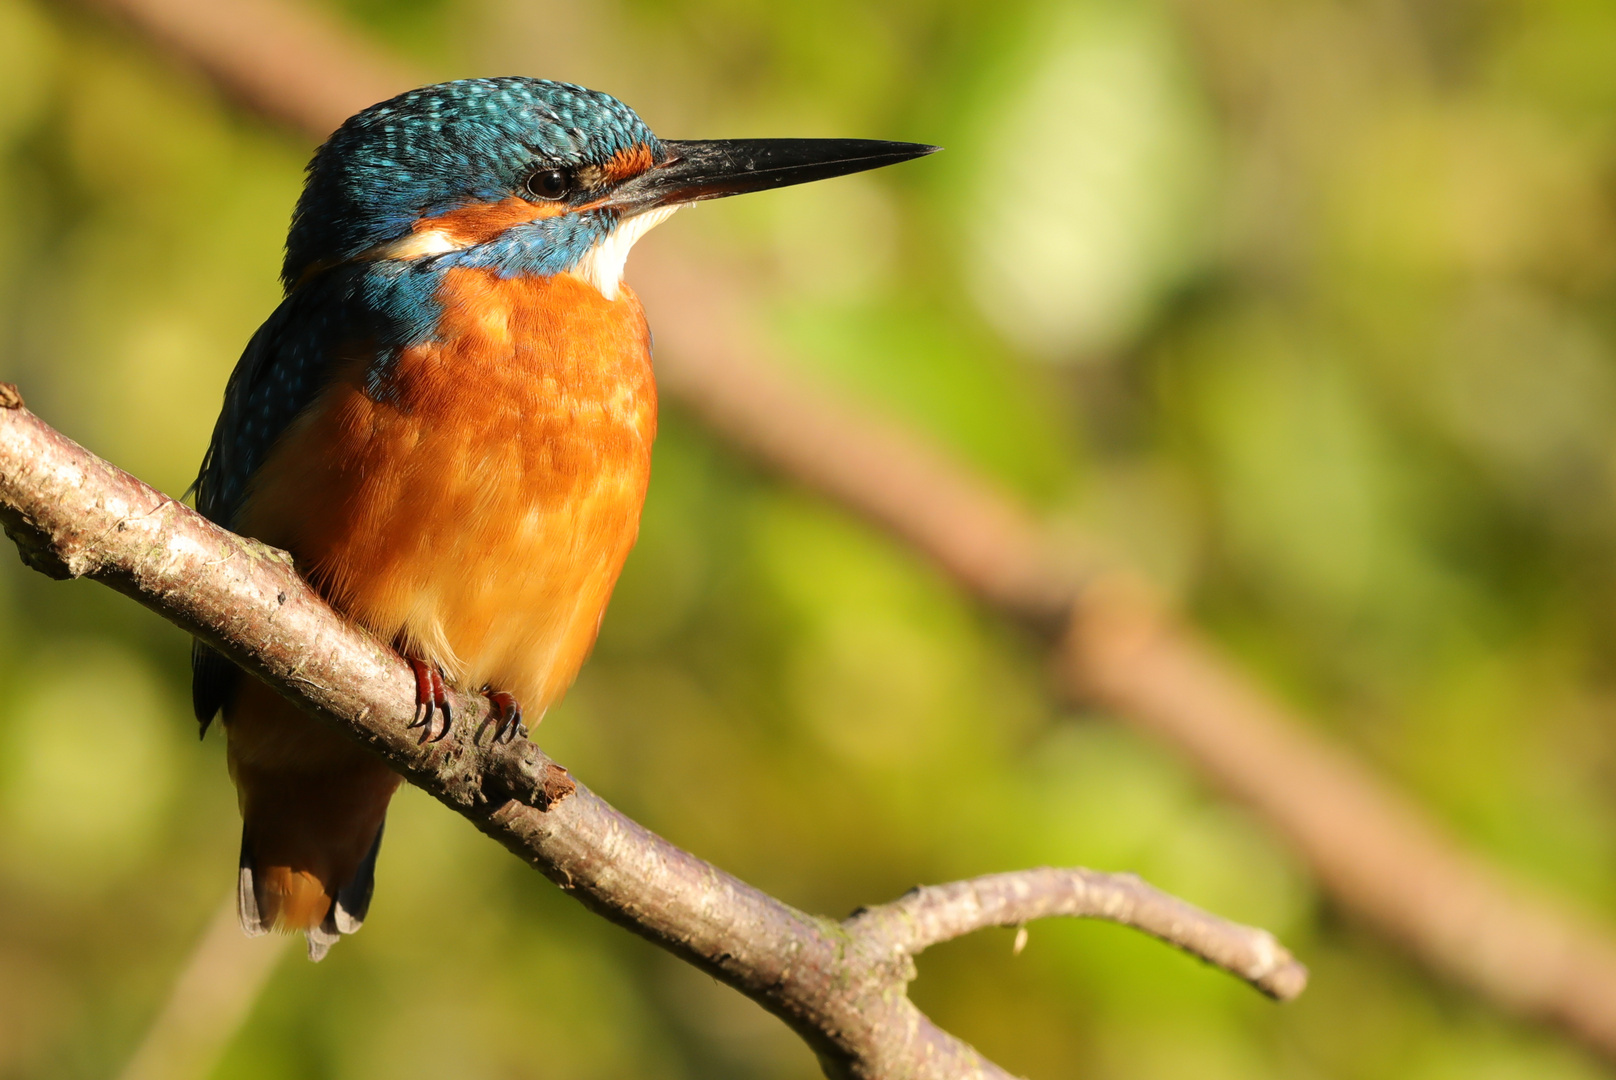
(714, 169)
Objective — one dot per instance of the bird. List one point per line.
(447, 423)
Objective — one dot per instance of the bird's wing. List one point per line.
(212, 677)
(279, 375)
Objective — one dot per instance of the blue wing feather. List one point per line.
(279, 374)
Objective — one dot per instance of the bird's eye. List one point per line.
(549, 184)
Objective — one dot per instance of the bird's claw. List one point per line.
(505, 713)
(431, 696)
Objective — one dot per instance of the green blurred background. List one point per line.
(1303, 307)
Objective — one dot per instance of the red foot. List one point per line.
(430, 696)
(505, 714)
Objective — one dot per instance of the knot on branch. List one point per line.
(557, 785)
(522, 773)
(34, 546)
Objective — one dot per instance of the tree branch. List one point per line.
(841, 986)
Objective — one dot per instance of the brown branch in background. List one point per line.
(292, 63)
(1377, 853)
(841, 986)
(975, 532)
(209, 1002)
(1374, 851)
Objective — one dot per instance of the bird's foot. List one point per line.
(505, 713)
(431, 696)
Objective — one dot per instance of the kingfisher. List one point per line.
(447, 422)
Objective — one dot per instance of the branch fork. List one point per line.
(841, 986)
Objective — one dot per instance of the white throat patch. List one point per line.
(602, 265)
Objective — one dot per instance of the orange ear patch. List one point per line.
(628, 162)
(481, 222)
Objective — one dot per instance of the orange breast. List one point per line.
(479, 513)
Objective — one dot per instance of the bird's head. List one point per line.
(528, 176)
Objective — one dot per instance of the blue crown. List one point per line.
(429, 150)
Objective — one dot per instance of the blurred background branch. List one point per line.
(209, 1002)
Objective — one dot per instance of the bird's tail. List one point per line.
(287, 893)
(312, 808)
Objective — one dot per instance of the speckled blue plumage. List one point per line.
(426, 151)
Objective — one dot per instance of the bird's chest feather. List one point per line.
(477, 502)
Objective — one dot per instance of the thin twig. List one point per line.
(933, 914)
